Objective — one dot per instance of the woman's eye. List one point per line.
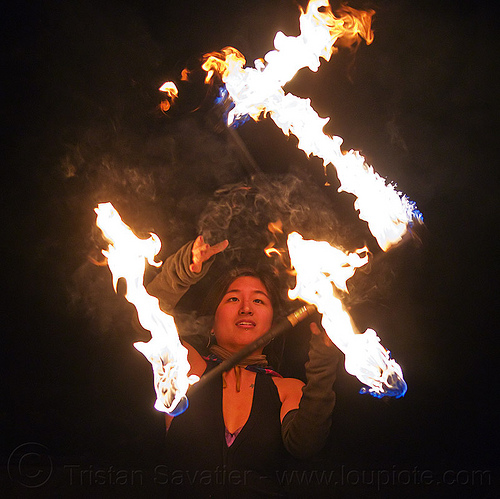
(258, 300)
(232, 298)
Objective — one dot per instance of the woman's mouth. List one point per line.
(246, 324)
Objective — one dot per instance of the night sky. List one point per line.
(82, 125)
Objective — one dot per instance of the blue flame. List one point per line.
(181, 407)
(417, 215)
(223, 95)
(224, 99)
(397, 388)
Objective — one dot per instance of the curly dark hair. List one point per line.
(242, 212)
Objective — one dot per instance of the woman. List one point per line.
(241, 430)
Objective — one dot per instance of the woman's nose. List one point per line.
(245, 309)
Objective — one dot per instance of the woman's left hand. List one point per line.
(202, 251)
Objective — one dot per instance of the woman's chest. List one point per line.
(238, 399)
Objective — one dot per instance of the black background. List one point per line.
(82, 126)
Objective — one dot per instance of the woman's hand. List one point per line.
(315, 329)
(202, 251)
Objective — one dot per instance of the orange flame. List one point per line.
(170, 89)
(224, 63)
(320, 29)
(323, 270)
(271, 250)
(318, 21)
(275, 227)
(127, 256)
(259, 91)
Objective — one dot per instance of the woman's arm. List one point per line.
(306, 426)
(181, 270)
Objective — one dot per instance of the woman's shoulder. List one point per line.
(197, 362)
(290, 393)
(287, 386)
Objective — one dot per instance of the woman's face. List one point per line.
(244, 314)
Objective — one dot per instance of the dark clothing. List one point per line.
(200, 462)
(175, 278)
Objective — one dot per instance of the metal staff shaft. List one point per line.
(289, 321)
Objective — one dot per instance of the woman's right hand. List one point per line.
(202, 252)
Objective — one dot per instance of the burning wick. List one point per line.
(258, 91)
(127, 256)
(321, 271)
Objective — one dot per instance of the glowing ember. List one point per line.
(322, 270)
(170, 88)
(258, 92)
(171, 92)
(270, 250)
(127, 256)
